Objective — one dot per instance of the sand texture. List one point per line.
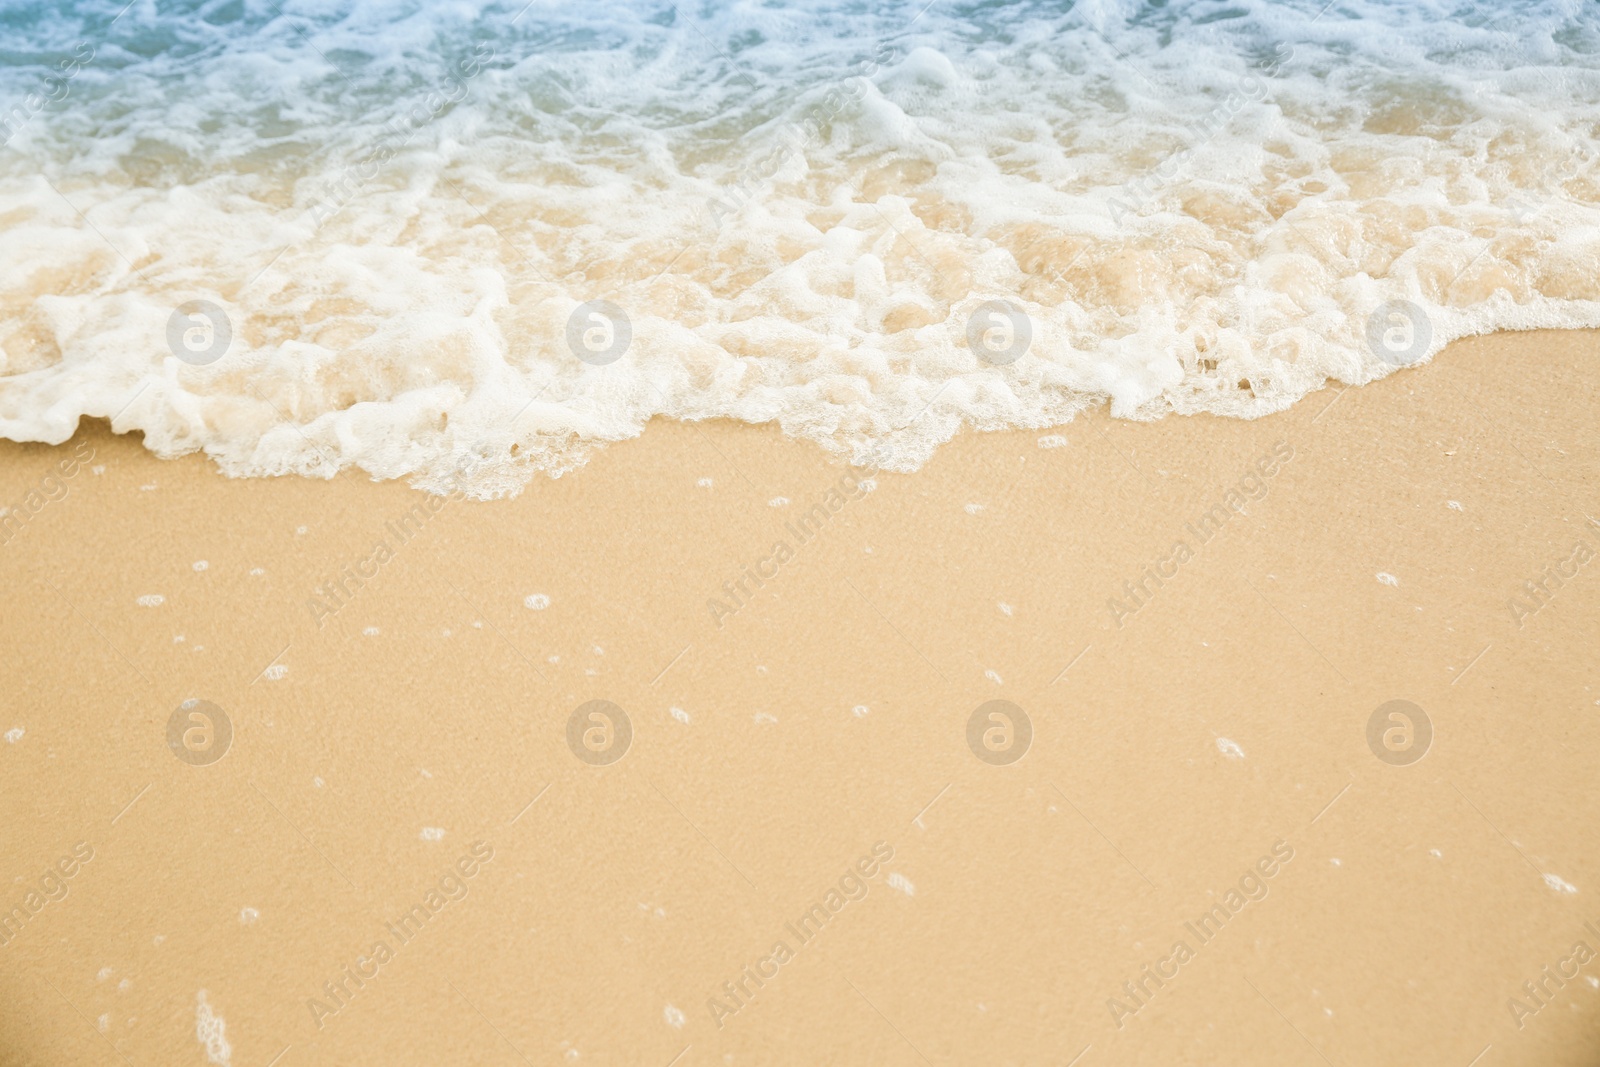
(1194, 621)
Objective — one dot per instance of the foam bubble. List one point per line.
(798, 208)
(211, 1030)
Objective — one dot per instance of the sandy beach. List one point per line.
(312, 767)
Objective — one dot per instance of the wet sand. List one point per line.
(1199, 832)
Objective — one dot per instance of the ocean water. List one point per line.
(463, 242)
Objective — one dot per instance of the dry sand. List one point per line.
(1210, 749)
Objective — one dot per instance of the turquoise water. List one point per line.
(408, 237)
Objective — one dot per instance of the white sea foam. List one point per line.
(211, 1030)
(1198, 206)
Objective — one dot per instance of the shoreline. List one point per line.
(950, 664)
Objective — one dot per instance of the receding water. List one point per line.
(866, 222)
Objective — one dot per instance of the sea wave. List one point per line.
(456, 241)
